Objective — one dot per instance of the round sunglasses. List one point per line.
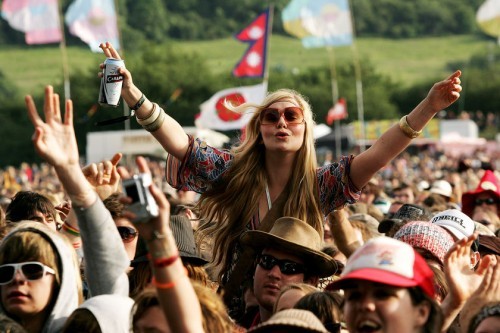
(292, 115)
(31, 270)
(127, 234)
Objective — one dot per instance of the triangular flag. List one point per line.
(337, 112)
(94, 21)
(253, 62)
(214, 115)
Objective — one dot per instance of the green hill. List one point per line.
(407, 61)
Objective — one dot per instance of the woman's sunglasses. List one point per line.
(286, 267)
(292, 115)
(488, 201)
(31, 270)
(127, 234)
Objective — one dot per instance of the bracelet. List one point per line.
(163, 262)
(160, 285)
(157, 123)
(70, 229)
(406, 128)
(156, 235)
(155, 113)
(138, 104)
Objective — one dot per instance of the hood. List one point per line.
(111, 311)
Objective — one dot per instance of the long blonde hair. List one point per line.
(230, 204)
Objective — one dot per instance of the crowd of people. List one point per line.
(256, 238)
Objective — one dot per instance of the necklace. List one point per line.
(268, 196)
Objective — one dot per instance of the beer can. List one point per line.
(111, 82)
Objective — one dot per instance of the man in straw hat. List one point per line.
(289, 252)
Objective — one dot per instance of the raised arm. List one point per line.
(175, 292)
(398, 137)
(170, 134)
(54, 140)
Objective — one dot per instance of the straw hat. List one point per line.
(290, 319)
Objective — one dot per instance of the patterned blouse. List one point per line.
(204, 166)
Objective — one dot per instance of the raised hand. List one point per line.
(104, 176)
(110, 52)
(446, 92)
(54, 139)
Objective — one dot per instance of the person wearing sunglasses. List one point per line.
(239, 187)
(289, 253)
(486, 196)
(40, 282)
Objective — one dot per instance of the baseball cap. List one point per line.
(441, 187)
(456, 222)
(428, 236)
(387, 261)
(407, 212)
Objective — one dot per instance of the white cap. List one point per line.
(456, 222)
(441, 187)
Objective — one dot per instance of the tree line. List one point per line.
(161, 20)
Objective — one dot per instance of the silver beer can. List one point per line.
(111, 82)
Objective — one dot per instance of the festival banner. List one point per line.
(337, 112)
(94, 22)
(38, 19)
(319, 23)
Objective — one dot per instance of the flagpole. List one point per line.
(268, 46)
(359, 84)
(335, 97)
(62, 45)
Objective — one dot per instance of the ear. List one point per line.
(475, 257)
(422, 312)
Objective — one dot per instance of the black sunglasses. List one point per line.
(127, 234)
(488, 201)
(286, 267)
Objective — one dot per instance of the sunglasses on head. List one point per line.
(488, 201)
(31, 270)
(292, 115)
(127, 234)
(286, 267)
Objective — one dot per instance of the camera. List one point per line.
(143, 204)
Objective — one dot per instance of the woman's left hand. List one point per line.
(445, 93)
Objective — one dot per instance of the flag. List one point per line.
(488, 17)
(38, 19)
(319, 23)
(337, 112)
(253, 62)
(94, 22)
(214, 115)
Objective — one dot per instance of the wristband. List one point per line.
(70, 230)
(163, 262)
(406, 128)
(160, 285)
(138, 104)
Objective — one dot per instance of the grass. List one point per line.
(405, 61)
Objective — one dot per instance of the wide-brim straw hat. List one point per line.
(295, 236)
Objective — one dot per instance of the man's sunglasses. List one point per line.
(488, 201)
(292, 115)
(127, 234)
(286, 267)
(31, 270)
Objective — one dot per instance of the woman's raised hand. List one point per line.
(104, 177)
(110, 52)
(446, 92)
(54, 139)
